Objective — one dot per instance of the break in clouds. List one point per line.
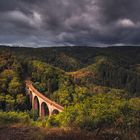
(69, 22)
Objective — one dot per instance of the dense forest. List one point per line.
(99, 87)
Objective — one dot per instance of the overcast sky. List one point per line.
(69, 22)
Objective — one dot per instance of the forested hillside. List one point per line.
(115, 67)
(12, 91)
(99, 87)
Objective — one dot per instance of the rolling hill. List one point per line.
(99, 87)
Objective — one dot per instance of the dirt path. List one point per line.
(32, 133)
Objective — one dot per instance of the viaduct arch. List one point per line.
(41, 103)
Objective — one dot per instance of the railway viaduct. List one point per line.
(41, 103)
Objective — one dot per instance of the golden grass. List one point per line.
(80, 74)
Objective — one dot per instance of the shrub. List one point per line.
(14, 117)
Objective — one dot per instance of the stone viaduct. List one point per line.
(41, 103)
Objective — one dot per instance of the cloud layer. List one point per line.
(69, 22)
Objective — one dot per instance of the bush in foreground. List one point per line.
(101, 113)
(14, 117)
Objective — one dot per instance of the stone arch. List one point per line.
(36, 105)
(44, 109)
(55, 112)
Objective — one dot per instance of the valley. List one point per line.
(99, 89)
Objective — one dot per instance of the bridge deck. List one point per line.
(29, 85)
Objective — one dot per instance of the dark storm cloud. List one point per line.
(114, 10)
(69, 22)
